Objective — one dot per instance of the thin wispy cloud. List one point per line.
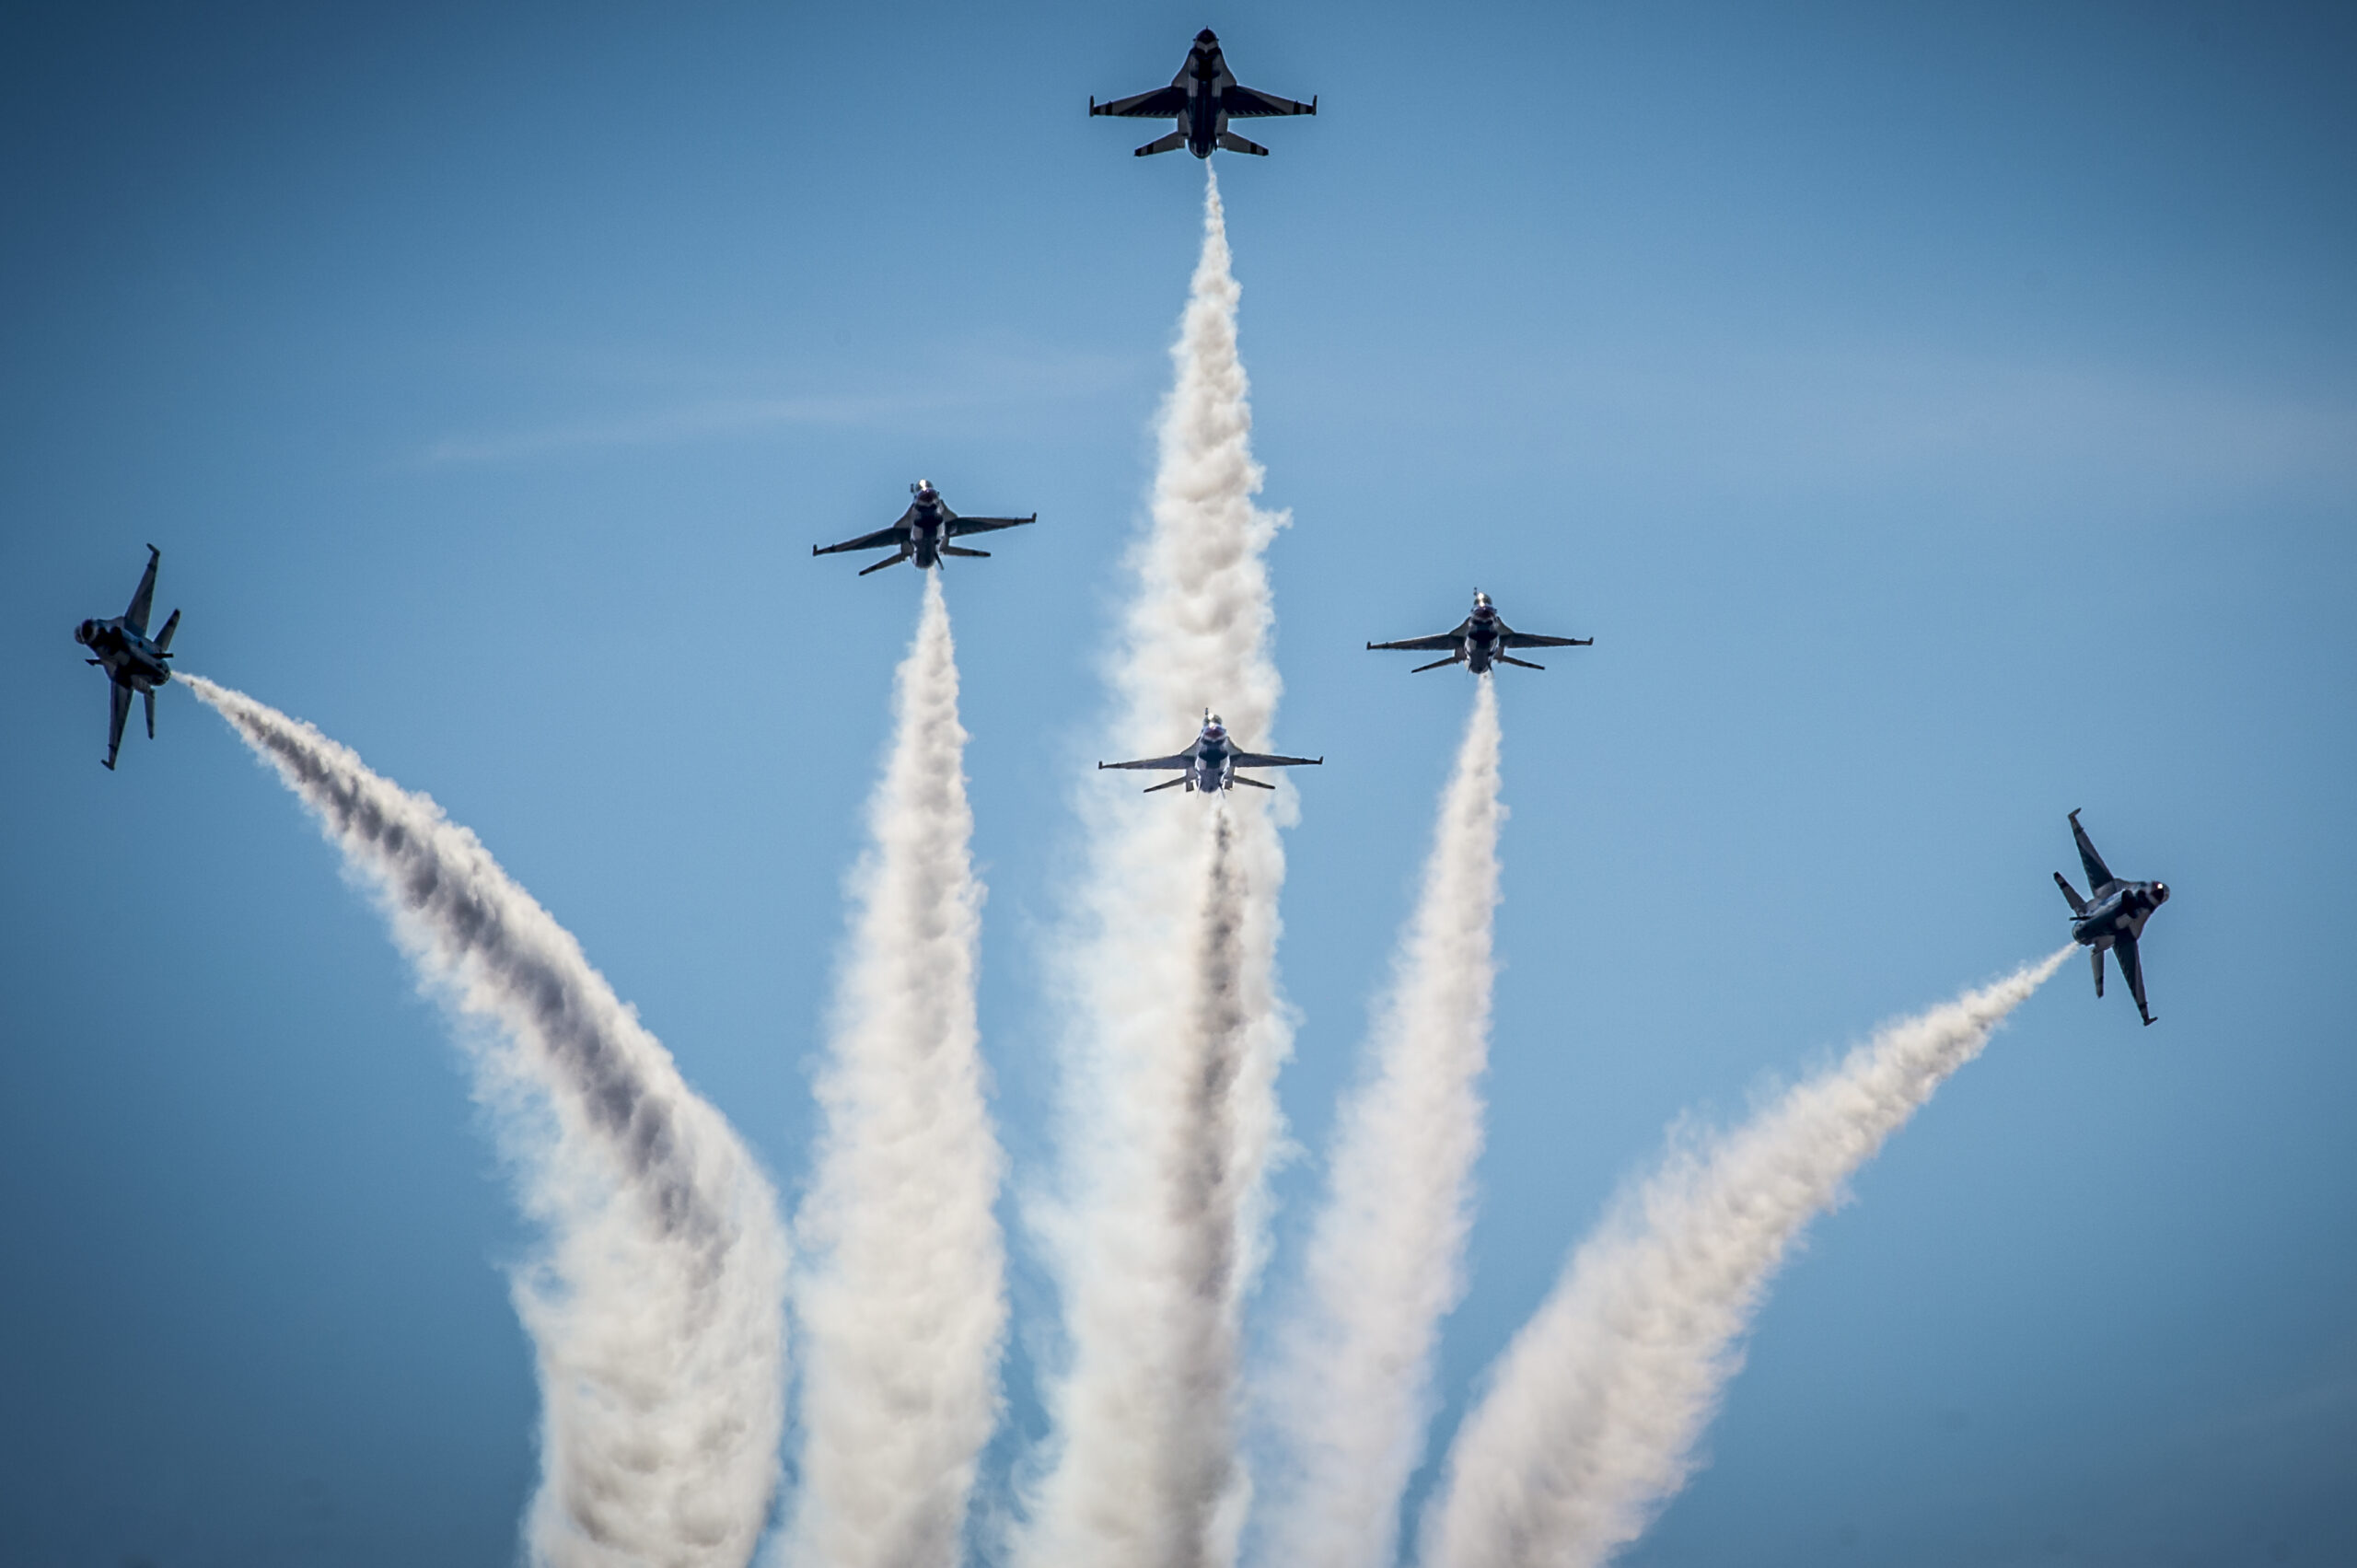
(966, 379)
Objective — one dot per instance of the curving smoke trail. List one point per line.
(1591, 1420)
(1141, 1470)
(902, 1303)
(1353, 1390)
(654, 1308)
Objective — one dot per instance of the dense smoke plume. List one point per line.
(1353, 1389)
(901, 1301)
(1141, 1470)
(654, 1306)
(1593, 1413)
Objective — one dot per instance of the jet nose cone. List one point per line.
(1207, 36)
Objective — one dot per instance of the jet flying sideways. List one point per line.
(2112, 916)
(133, 660)
(923, 532)
(1209, 765)
(1480, 639)
(1202, 97)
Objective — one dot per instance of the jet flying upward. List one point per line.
(1209, 765)
(133, 660)
(1202, 97)
(1481, 640)
(923, 532)
(2112, 916)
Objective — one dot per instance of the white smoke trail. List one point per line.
(655, 1307)
(1142, 1473)
(1590, 1423)
(1352, 1392)
(903, 1305)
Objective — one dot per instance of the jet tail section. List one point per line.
(1174, 784)
(1256, 784)
(2078, 906)
(961, 550)
(150, 695)
(1435, 664)
(888, 561)
(1230, 141)
(1519, 663)
(2096, 954)
(164, 637)
(1169, 144)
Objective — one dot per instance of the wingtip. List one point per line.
(2074, 815)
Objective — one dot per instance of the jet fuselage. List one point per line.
(2121, 912)
(926, 528)
(129, 658)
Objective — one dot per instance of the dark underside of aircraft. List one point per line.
(1202, 97)
(2111, 918)
(133, 660)
(923, 533)
(1479, 641)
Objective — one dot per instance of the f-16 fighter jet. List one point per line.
(2114, 917)
(133, 660)
(1481, 640)
(923, 532)
(1211, 763)
(1203, 97)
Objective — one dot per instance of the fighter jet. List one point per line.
(923, 532)
(1203, 97)
(133, 661)
(1481, 640)
(2113, 918)
(1211, 763)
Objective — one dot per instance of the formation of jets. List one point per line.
(1202, 98)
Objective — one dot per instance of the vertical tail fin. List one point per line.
(150, 695)
(2078, 904)
(164, 637)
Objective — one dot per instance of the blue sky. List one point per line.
(1941, 417)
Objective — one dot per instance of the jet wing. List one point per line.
(1161, 103)
(2131, 969)
(1243, 103)
(144, 599)
(882, 538)
(118, 710)
(985, 525)
(1178, 760)
(1264, 760)
(1439, 643)
(2100, 877)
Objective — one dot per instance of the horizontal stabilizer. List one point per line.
(888, 561)
(1174, 784)
(1436, 664)
(164, 638)
(961, 550)
(1230, 141)
(2096, 954)
(150, 695)
(1169, 144)
(2078, 905)
(1519, 663)
(1256, 784)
